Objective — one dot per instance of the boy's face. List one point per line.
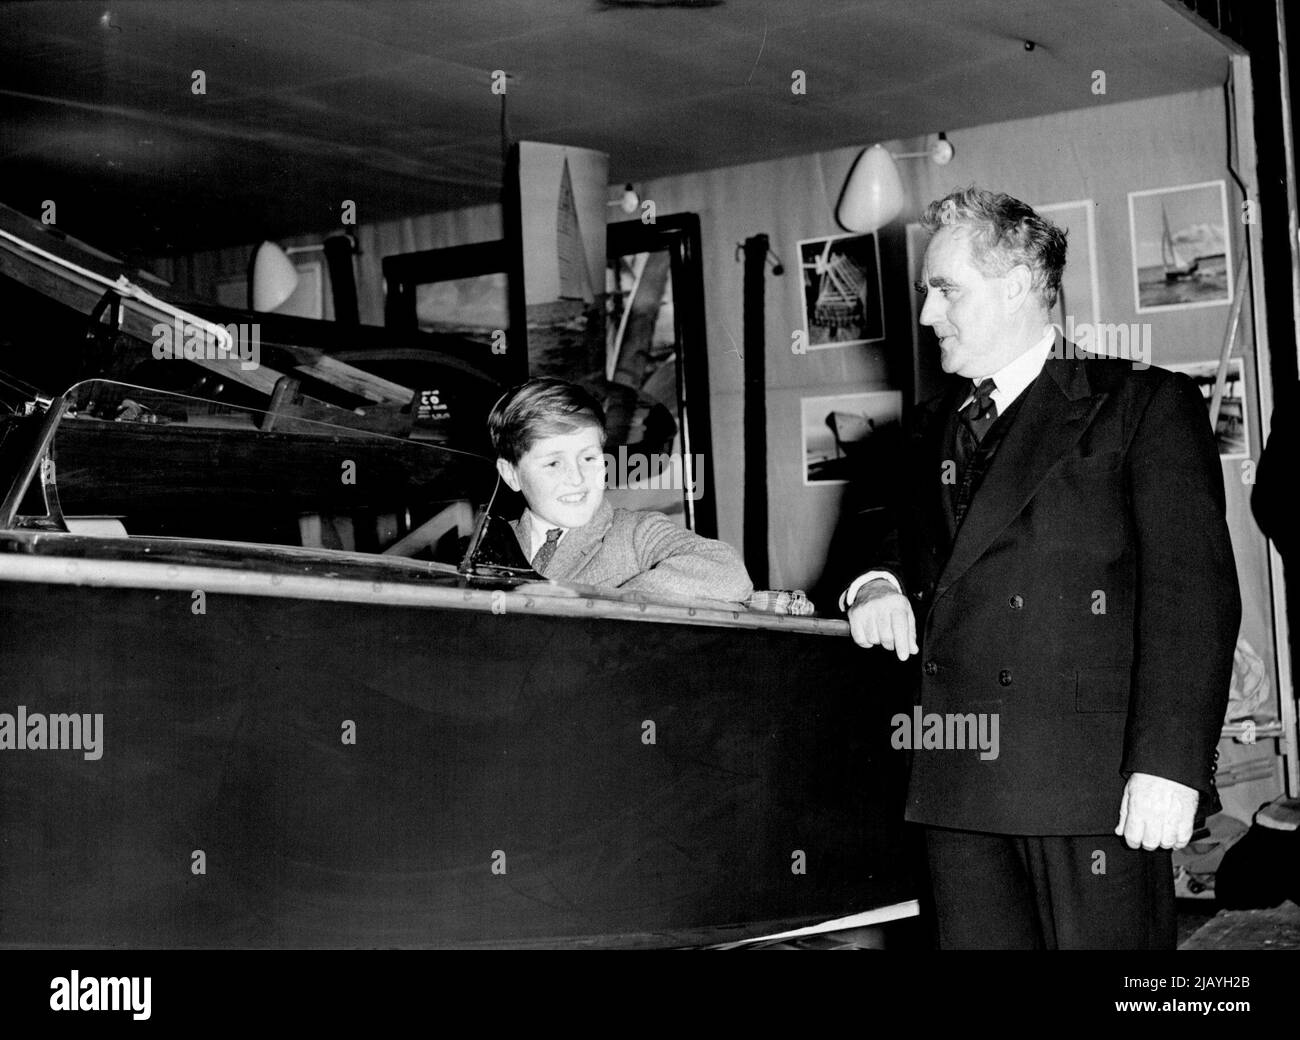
(562, 477)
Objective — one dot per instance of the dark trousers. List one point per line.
(1010, 892)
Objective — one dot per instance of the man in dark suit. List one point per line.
(1063, 570)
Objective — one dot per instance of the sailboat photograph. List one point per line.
(1180, 247)
(570, 256)
(1176, 265)
(562, 222)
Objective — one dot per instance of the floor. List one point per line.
(1276, 929)
(1193, 914)
(1201, 926)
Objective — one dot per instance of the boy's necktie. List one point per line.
(547, 550)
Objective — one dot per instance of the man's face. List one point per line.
(562, 477)
(966, 308)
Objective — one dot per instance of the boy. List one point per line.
(549, 437)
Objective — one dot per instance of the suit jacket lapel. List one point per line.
(520, 528)
(580, 542)
(937, 497)
(1057, 409)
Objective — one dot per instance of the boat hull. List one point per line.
(516, 778)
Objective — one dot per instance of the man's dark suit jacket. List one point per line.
(1090, 599)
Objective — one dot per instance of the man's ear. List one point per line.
(509, 474)
(1019, 285)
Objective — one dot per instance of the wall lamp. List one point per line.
(873, 193)
(628, 201)
(274, 277)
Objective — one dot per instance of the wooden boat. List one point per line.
(374, 750)
(406, 739)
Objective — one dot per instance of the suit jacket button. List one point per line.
(1017, 601)
(931, 667)
(919, 594)
(1004, 677)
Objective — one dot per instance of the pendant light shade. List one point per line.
(873, 193)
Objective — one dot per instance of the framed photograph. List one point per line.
(554, 219)
(652, 374)
(1079, 302)
(843, 305)
(1179, 239)
(1232, 432)
(461, 290)
(840, 433)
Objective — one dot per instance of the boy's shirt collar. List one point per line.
(536, 528)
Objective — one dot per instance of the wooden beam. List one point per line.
(138, 317)
(348, 377)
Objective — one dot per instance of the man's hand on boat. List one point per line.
(882, 616)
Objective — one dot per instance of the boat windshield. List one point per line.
(132, 461)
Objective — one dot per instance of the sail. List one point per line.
(571, 257)
(1175, 262)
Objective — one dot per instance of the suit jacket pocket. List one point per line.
(1103, 462)
(1103, 689)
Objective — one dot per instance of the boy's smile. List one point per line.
(562, 477)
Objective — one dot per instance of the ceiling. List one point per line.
(391, 104)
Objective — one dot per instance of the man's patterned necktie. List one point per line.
(547, 551)
(976, 419)
(981, 412)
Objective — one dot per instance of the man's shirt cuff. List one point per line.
(852, 593)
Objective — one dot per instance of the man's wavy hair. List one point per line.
(540, 408)
(1004, 232)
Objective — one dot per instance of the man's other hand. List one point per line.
(882, 616)
(1156, 813)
